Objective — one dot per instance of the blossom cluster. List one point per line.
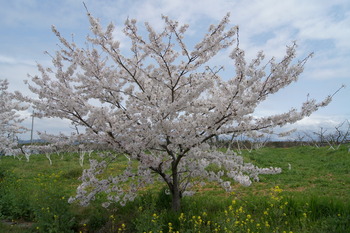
(9, 120)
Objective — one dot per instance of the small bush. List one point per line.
(73, 173)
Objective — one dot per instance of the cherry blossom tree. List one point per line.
(9, 119)
(161, 103)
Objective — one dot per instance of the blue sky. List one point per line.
(319, 26)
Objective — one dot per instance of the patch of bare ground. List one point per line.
(296, 189)
(18, 223)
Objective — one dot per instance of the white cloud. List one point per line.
(16, 73)
(315, 122)
(13, 61)
(328, 65)
(41, 14)
(182, 10)
(7, 60)
(320, 121)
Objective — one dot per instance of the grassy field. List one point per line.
(311, 195)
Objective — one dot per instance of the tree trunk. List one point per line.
(176, 200)
(175, 192)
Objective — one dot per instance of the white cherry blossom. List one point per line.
(9, 120)
(161, 103)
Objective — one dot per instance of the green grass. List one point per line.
(315, 198)
(318, 172)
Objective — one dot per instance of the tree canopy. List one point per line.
(161, 103)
